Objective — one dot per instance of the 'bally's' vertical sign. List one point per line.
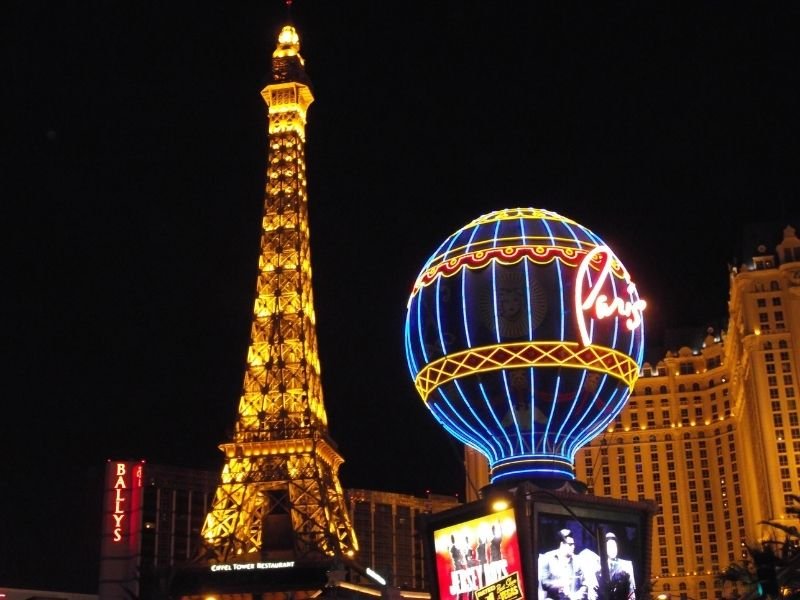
(122, 526)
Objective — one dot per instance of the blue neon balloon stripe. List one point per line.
(464, 291)
(497, 422)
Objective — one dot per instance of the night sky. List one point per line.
(135, 187)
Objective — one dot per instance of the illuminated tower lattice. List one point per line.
(279, 495)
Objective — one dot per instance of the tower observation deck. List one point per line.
(279, 496)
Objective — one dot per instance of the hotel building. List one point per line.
(712, 433)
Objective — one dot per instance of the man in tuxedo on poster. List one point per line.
(561, 575)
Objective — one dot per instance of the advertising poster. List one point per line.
(479, 559)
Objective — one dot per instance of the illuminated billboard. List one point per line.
(570, 538)
(478, 559)
(548, 541)
(120, 547)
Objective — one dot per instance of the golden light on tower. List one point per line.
(279, 495)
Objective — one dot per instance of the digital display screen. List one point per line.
(479, 559)
(568, 554)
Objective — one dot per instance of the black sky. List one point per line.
(135, 169)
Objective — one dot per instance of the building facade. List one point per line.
(145, 539)
(390, 541)
(712, 433)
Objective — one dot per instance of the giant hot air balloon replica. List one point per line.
(524, 336)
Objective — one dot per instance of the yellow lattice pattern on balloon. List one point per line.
(526, 354)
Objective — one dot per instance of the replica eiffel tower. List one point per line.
(279, 497)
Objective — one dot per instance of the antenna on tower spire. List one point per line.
(288, 10)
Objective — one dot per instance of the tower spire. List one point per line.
(280, 496)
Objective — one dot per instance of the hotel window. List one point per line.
(787, 380)
(761, 302)
(763, 318)
(773, 393)
(771, 368)
(793, 419)
(772, 380)
(651, 418)
(779, 315)
(665, 417)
